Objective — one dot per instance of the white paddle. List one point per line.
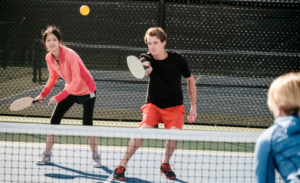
(22, 103)
(136, 67)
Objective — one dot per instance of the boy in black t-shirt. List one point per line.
(164, 101)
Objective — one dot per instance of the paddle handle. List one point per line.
(36, 101)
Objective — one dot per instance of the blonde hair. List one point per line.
(284, 93)
(156, 31)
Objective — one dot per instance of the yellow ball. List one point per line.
(84, 10)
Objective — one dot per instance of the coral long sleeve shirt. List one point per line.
(78, 79)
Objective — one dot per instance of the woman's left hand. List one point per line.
(52, 101)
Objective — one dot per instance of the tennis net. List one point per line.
(201, 156)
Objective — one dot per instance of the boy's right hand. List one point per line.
(149, 70)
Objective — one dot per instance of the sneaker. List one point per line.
(165, 169)
(96, 160)
(44, 158)
(119, 173)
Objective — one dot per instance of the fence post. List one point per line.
(34, 79)
(5, 45)
(39, 63)
(161, 13)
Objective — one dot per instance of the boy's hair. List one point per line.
(156, 31)
(51, 29)
(284, 93)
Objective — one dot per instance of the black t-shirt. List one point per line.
(164, 87)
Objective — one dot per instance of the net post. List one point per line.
(161, 13)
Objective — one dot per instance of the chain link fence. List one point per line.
(234, 48)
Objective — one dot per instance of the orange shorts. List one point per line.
(171, 116)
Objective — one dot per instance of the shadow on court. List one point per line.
(86, 175)
(81, 174)
(133, 179)
(177, 180)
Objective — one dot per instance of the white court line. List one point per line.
(110, 178)
(149, 149)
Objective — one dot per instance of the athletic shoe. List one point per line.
(96, 160)
(166, 170)
(44, 158)
(119, 173)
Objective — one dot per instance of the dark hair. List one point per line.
(51, 29)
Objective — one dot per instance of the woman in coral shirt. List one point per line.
(79, 88)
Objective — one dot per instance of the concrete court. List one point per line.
(73, 164)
